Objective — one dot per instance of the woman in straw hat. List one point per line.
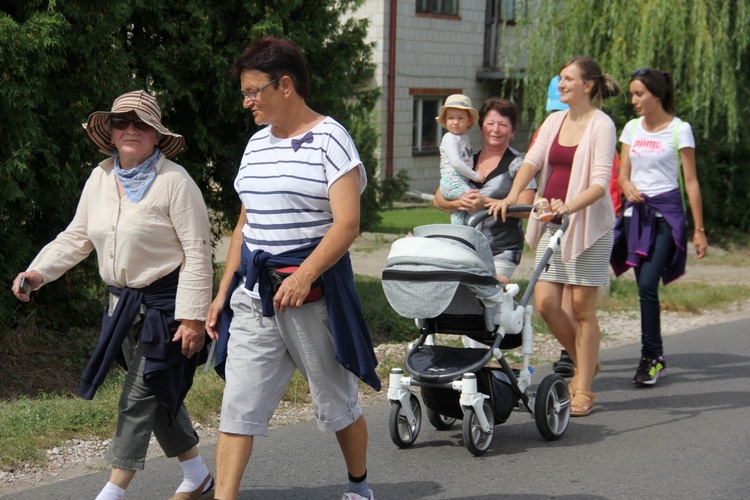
(147, 221)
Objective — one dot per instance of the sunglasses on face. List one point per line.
(120, 123)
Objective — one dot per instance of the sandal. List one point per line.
(596, 370)
(203, 492)
(581, 403)
(575, 373)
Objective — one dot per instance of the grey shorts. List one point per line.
(262, 356)
(506, 262)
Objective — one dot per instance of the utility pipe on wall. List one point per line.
(391, 91)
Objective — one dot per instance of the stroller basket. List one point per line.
(492, 381)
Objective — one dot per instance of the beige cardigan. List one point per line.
(592, 164)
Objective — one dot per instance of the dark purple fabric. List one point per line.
(629, 248)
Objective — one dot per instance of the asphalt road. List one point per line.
(687, 437)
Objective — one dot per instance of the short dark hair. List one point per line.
(659, 83)
(504, 107)
(277, 57)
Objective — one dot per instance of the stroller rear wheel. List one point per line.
(404, 434)
(552, 407)
(438, 421)
(475, 439)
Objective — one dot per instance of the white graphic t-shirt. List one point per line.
(654, 163)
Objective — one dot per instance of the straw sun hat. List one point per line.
(145, 106)
(458, 101)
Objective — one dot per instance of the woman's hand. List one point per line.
(631, 192)
(700, 241)
(559, 207)
(471, 201)
(213, 318)
(33, 278)
(192, 334)
(292, 292)
(500, 207)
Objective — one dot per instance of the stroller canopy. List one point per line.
(424, 272)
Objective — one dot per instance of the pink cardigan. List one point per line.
(592, 164)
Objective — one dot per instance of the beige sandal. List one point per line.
(575, 373)
(198, 493)
(581, 403)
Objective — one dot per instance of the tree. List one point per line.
(703, 43)
(62, 60)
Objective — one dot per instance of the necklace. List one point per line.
(487, 164)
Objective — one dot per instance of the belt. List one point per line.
(277, 276)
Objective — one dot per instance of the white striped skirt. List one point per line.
(591, 268)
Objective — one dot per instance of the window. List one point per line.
(439, 7)
(512, 10)
(427, 133)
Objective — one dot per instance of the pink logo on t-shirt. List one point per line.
(647, 146)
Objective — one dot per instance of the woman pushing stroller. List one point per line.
(573, 152)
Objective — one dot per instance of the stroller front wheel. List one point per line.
(476, 440)
(403, 434)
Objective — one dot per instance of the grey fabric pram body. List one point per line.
(444, 278)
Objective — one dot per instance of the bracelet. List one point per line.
(701, 229)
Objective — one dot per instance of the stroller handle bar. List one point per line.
(554, 242)
(479, 217)
(552, 247)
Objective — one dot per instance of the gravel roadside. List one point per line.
(369, 254)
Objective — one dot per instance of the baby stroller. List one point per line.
(444, 278)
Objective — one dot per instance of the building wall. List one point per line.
(431, 53)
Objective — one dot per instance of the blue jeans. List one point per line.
(647, 275)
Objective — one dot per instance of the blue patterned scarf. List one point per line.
(136, 181)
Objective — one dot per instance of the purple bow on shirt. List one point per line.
(297, 143)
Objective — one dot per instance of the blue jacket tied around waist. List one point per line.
(628, 250)
(168, 373)
(351, 337)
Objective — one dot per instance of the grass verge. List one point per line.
(40, 420)
(401, 221)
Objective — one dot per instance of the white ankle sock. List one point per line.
(194, 472)
(111, 492)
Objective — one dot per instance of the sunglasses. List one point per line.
(641, 72)
(119, 123)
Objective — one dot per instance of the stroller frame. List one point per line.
(499, 327)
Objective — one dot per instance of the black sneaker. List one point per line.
(649, 371)
(565, 366)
